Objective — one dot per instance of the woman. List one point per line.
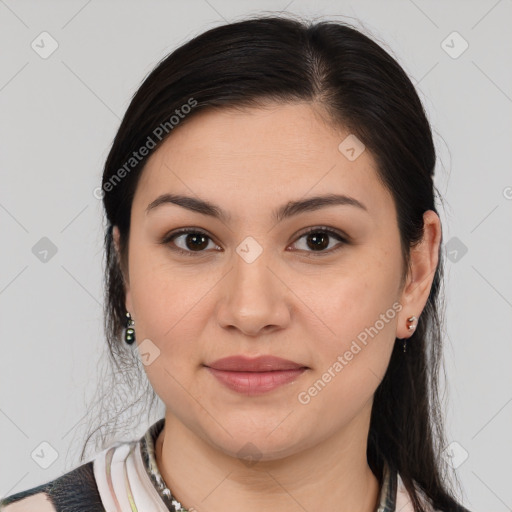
(273, 251)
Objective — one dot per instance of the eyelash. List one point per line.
(197, 231)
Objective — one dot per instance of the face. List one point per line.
(249, 283)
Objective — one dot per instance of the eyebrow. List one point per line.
(287, 210)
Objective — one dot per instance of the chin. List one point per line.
(252, 444)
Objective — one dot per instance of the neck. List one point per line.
(332, 475)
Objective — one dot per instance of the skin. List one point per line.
(290, 302)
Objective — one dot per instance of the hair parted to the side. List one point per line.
(360, 87)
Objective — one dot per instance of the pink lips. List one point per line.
(253, 376)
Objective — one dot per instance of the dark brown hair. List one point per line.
(363, 89)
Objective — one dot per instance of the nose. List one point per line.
(252, 298)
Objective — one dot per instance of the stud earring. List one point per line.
(129, 333)
(411, 327)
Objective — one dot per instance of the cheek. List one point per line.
(353, 298)
(167, 307)
(350, 365)
(164, 295)
(358, 311)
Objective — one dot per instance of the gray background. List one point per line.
(58, 117)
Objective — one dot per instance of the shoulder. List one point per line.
(76, 490)
(39, 502)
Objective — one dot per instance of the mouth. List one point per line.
(255, 376)
(266, 363)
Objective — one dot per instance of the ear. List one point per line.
(128, 298)
(423, 264)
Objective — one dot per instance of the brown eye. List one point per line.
(195, 241)
(320, 240)
(189, 241)
(317, 241)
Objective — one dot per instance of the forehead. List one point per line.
(258, 156)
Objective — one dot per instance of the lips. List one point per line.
(255, 376)
(259, 364)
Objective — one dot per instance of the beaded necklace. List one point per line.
(147, 447)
